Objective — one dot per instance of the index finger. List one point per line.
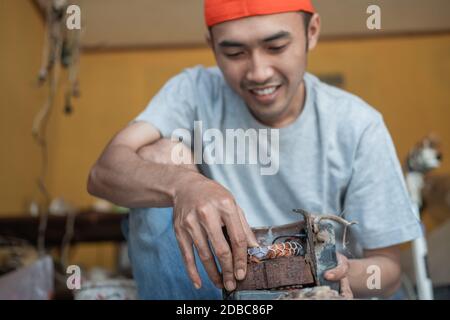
(238, 239)
(222, 252)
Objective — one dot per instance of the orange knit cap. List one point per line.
(217, 11)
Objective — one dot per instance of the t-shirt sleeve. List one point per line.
(377, 197)
(174, 106)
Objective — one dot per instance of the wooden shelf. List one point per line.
(90, 226)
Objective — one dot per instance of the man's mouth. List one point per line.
(265, 94)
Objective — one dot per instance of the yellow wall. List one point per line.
(406, 78)
(21, 34)
(21, 40)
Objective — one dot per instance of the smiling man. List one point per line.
(335, 155)
(265, 67)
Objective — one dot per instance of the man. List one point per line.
(331, 154)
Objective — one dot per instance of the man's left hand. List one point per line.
(340, 273)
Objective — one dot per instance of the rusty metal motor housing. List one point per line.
(274, 278)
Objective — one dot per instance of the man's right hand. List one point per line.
(136, 170)
(201, 208)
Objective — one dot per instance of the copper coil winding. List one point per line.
(285, 249)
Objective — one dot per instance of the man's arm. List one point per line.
(388, 262)
(134, 172)
(354, 273)
(123, 177)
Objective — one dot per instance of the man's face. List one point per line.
(263, 58)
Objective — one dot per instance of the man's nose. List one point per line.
(260, 71)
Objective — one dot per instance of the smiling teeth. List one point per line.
(266, 91)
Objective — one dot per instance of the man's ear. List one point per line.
(313, 31)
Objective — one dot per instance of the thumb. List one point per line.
(251, 239)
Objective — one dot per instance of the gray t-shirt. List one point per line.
(336, 157)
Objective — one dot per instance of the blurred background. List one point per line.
(126, 50)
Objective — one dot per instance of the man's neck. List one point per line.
(292, 112)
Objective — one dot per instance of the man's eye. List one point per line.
(234, 54)
(277, 49)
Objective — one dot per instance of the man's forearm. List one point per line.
(123, 177)
(365, 274)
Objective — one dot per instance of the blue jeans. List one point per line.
(156, 261)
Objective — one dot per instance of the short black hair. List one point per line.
(306, 20)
